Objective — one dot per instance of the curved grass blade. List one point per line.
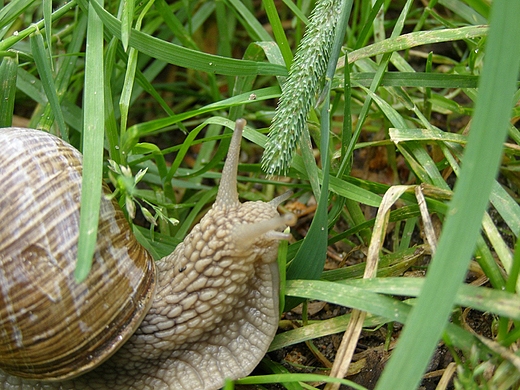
(250, 22)
(479, 298)
(187, 58)
(418, 38)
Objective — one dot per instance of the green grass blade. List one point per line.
(371, 302)
(278, 369)
(138, 130)
(413, 79)
(319, 329)
(468, 13)
(126, 22)
(282, 378)
(250, 22)
(188, 58)
(407, 41)
(10, 12)
(8, 72)
(126, 94)
(428, 319)
(364, 34)
(507, 207)
(297, 12)
(174, 24)
(415, 154)
(350, 296)
(479, 298)
(66, 71)
(47, 22)
(364, 294)
(278, 31)
(43, 64)
(310, 259)
(93, 136)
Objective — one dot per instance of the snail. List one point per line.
(205, 313)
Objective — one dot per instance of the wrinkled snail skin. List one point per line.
(215, 307)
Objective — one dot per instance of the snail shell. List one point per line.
(211, 316)
(40, 301)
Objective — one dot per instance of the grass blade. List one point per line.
(8, 70)
(126, 22)
(93, 135)
(250, 22)
(43, 64)
(407, 41)
(47, 21)
(187, 58)
(279, 34)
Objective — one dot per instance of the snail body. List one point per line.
(204, 313)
